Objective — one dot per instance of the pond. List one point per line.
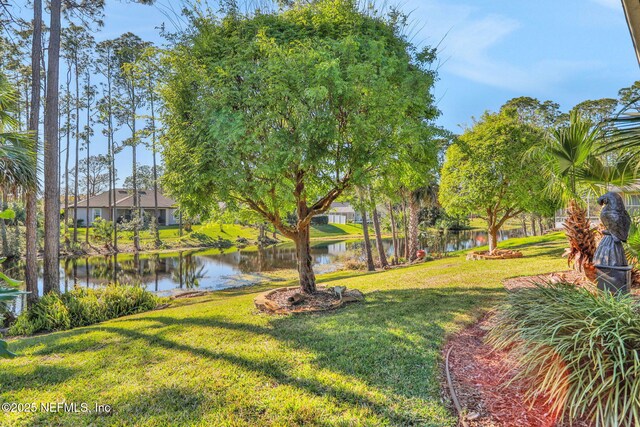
(168, 273)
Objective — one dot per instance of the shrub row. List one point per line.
(580, 349)
(81, 307)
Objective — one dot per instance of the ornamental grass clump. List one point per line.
(82, 307)
(580, 349)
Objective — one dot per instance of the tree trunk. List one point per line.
(134, 174)
(305, 267)
(76, 170)
(414, 211)
(137, 217)
(66, 162)
(112, 162)
(155, 167)
(524, 225)
(86, 231)
(367, 242)
(533, 226)
(406, 229)
(394, 234)
(31, 270)
(3, 226)
(540, 227)
(376, 227)
(493, 238)
(51, 278)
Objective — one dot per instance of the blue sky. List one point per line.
(490, 51)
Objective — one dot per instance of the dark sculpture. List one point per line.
(609, 259)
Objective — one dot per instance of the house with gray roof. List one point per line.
(98, 206)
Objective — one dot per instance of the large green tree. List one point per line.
(284, 111)
(484, 172)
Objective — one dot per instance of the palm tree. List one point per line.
(572, 161)
(426, 195)
(17, 156)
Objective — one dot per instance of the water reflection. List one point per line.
(210, 269)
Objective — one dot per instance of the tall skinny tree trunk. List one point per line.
(414, 211)
(31, 271)
(51, 276)
(367, 242)
(524, 225)
(3, 226)
(394, 234)
(66, 162)
(155, 166)
(305, 263)
(406, 229)
(76, 177)
(137, 215)
(87, 141)
(533, 226)
(540, 227)
(376, 227)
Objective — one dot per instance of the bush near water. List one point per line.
(82, 307)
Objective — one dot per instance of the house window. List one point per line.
(97, 212)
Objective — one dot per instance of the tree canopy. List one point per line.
(282, 112)
(484, 173)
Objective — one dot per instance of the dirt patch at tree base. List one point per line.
(497, 254)
(480, 377)
(292, 300)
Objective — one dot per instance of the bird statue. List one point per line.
(617, 221)
(614, 216)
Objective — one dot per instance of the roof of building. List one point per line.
(124, 199)
(341, 207)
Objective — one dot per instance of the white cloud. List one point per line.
(469, 39)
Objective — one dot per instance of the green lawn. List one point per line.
(337, 230)
(170, 235)
(214, 361)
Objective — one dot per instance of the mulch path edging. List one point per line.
(480, 375)
(568, 276)
(275, 300)
(497, 254)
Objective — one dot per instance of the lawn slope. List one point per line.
(214, 361)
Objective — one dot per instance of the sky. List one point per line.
(489, 51)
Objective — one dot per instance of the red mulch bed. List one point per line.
(569, 276)
(497, 254)
(480, 375)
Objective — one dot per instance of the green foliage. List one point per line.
(485, 173)
(581, 349)
(48, 314)
(81, 307)
(6, 295)
(320, 220)
(102, 230)
(308, 100)
(18, 169)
